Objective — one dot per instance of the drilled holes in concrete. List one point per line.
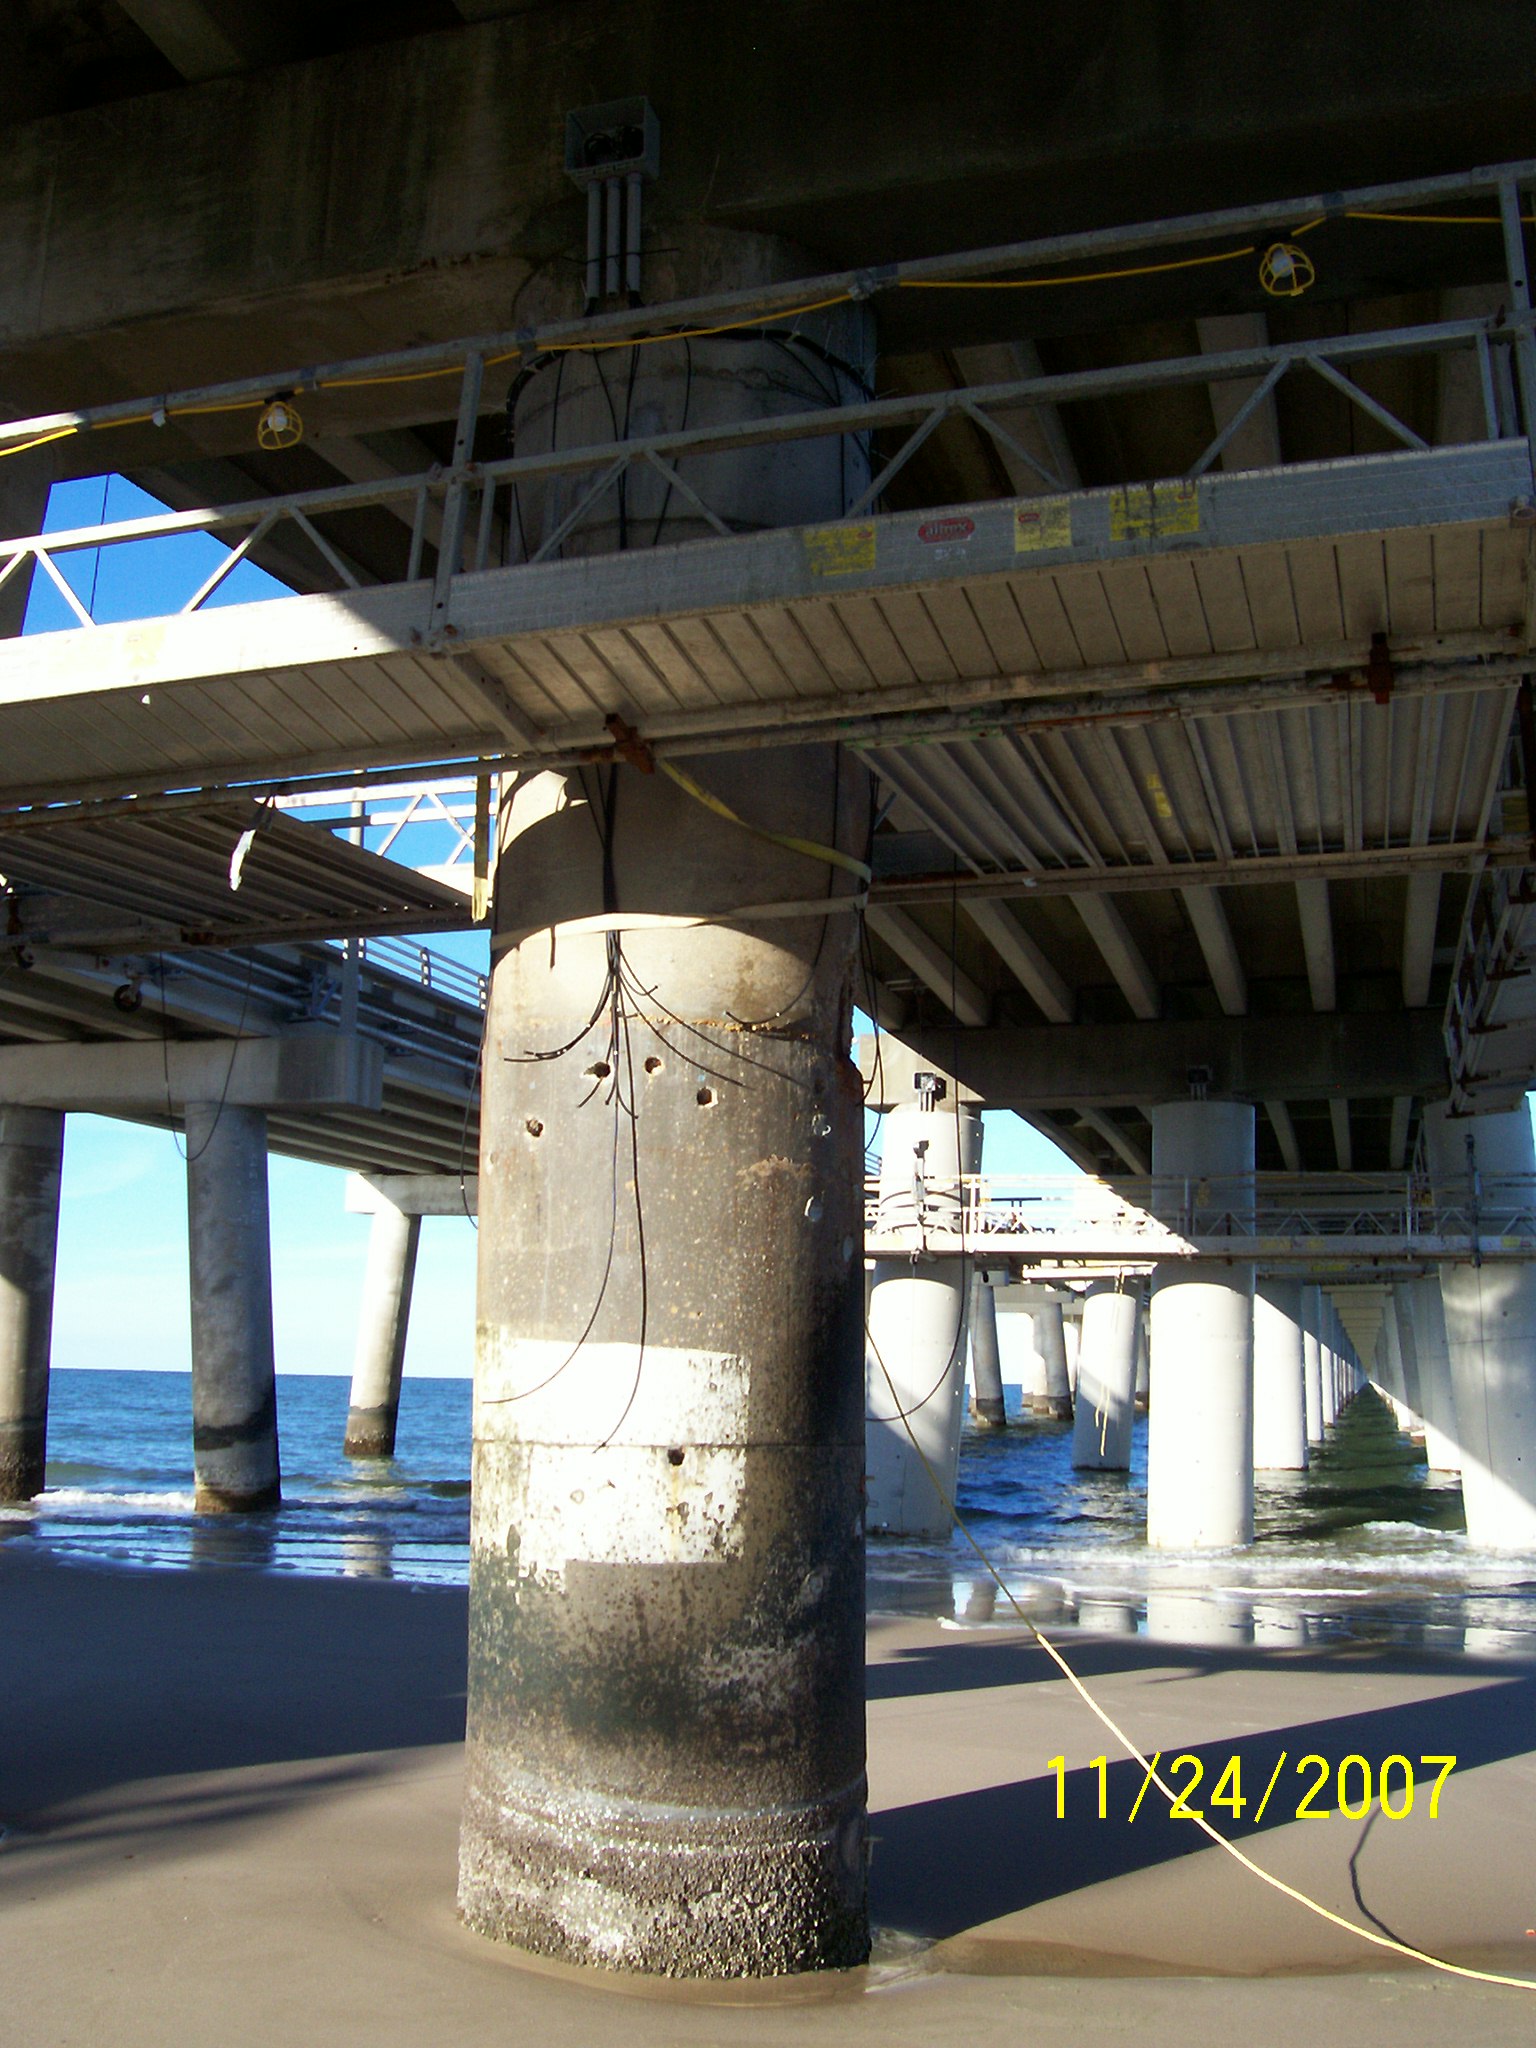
(534, 1128)
(674, 1456)
(653, 1065)
(706, 1098)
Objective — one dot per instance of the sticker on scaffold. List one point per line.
(1149, 511)
(839, 550)
(1043, 523)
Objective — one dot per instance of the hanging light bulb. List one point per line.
(1286, 271)
(280, 425)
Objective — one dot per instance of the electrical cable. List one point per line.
(745, 327)
(229, 1072)
(1149, 1765)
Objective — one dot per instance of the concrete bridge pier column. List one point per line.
(31, 1157)
(382, 1327)
(987, 1405)
(1051, 1339)
(234, 1390)
(1314, 1313)
(1106, 1377)
(665, 1757)
(1490, 1328)
(1144, 1367)
(1200, 1442)
(1419, 1301)
(917, 1326)
(1279, 1377)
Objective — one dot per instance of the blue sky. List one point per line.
(121, 1298)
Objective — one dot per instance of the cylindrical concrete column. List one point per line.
(1314, 1312)
(31, 1156)
(234, 1390)
(1051, 1340)
(1490, 1328)
(1200, 1441)
(916, 1333)
(1144, 1366)
(1279, 1377)
(1419, 1301)
(382, 1326)
(665, 1766)
(987, 1403)
(1106, 1377)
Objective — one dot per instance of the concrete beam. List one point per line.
(1263, 1059)
(888, 1079)
(1343, 1143)
(1219, 947)
(148, 1078)
(1122, 956)
(1317, 941)
(210, 38)
(413, 1194)
(1420, 915)
(1023, 959)
(1397, 1140)
(1285, 1134)
(931, 963)
(1119, 1141)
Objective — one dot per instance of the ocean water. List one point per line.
(1367, 1545)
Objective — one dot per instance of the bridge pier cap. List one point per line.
(666, 1670)
(1200, 1430)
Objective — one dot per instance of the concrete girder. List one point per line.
(1285, 1134)
(122, 1080)
(1214, 932)
(1109, 1066)
(212, 38)
(1023, 959)
(1397, 1140)
(1317, 940)
(1420, 915)
(1119, 1141)
(931, 963)
(1343, 1144)
(1122, 956)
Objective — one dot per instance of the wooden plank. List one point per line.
(1410, 563)
(524, 687)
(637, 677)
(1046, 622)
(1134, 611)
(568, 672)
(842, 662)
(997, 615)
(784, 634)
(1457, 555)
(1266, 576)
(869, 630)
(1362, 587)
(740, 636)
(670, 665)
(1314, 572)
(701, 646)
(1506, 550)
(1093, 623)
(916, 635)
(1180, 613)
(1224, 596)
(965, 645)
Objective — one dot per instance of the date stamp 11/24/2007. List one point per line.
(1313, 1789)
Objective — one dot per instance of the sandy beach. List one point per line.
(231, 1808)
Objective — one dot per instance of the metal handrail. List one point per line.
(449, 487)
(438, 973)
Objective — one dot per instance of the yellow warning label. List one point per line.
(839, 550)
(1043, 523)
(1145, 511)
(1159, 796)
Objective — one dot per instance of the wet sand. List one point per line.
(232, 1805)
